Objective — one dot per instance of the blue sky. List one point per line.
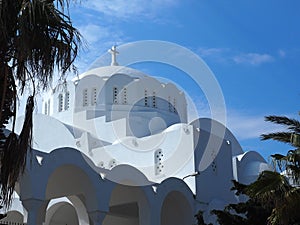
(252, 47)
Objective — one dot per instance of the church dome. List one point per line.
(114, 93)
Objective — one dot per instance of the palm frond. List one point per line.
(46, 40)
(269, 186)
(36, 36)
(291, 124)
(14, 156)
(277, 136)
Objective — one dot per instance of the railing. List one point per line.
(11, 223)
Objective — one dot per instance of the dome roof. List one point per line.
(108, 71)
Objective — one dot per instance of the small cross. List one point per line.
(113, 51)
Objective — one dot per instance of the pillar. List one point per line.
(35, 210)
(97, 217)
(155, 214)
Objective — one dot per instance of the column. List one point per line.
(97, 217)
(35, 211)
(155, 214)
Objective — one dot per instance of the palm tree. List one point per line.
(275, 193)
(250, 212)
(274, 197)
(36, 37)
(280, 190)
(289, 163)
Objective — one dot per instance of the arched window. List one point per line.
(67, 100)
(60, 102)
(146, 98)
(154, 99)
(85, 97)
(94, 96)
(115, 95)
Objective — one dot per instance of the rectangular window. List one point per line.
(154, 99)
(158, 162)
(85, 97)
(170, 104)
(49, 107)
(67, 100)
(146, 98)
(124, 96)
(46, 108)
(94, 96)
(115, 95)
(174, 105)
(60, 102)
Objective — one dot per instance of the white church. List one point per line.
(114, 146)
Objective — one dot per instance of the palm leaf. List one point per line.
(36, 36)
(270, 186)
(291, 124)
(277, 136)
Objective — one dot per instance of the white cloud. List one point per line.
(281, 53)
(206, 52)
(99, 39)
(221, 55)
(245, 126)
(242, 124)
(227, 55)
(94, 33)
(253, 58)
(135, 9)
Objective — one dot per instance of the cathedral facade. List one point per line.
(114, 146)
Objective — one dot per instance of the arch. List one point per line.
(67, 180)
(83, 217)
(175, 202)
(127, 175)
(128, 205)
(66, 172)
(61, 213)
(173, 184)
(176, 210)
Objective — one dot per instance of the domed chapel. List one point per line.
(114, 146)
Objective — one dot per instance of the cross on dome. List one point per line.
(113, 51)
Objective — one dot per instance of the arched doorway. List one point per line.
(128, 206)
(176, 210)
(61, 213)
(71, 189)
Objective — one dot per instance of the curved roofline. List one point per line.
(107, 71)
